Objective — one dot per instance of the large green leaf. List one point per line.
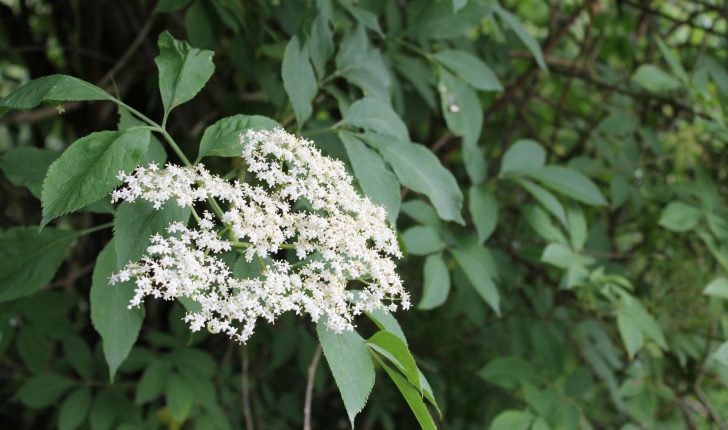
(27, 166)
(422, 240)
(470, 68)
(522, 34)
(570, 183)
(480, 269)
(29, 259)
(419, 169)
(484, 211)
(53, 89)
(377, 182)
(371, 75)
(183, 70)
(375, 115)
(222, 139)
(436, 282)
(412, 396)
(117, 324)
(393, 349)
(299, 79)
(522, 156)
(88, 169)
(74, 409)
(136, 222)
(351, 364)
(680, 217)
(352, 50)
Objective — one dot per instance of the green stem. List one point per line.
(97, 228)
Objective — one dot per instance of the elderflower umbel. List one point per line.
(339, 237)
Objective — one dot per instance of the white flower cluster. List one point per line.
(303, 201)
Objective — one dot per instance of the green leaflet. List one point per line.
(436, 282)
(717, 288)
(484, 211)
(630, 332)
(419, 75)
(118, 326)
(183, 71)
(680, 217)
(74, 409)
(524, 155)
(412, 396)
(371, 75)
(29, 259)
(222, 139)
(364, 17)
(299, 79)
(88, 169)
(351, 364)
(79, 356)
(321, 44)
(352, 50)
(27, 166)
(420, 170)
(104, 410)
(155, 152)
(547, 200)
(470, 68)
(570, 183)
(422, 240)
(43, 390)
(179, 395)
(53, 89)
(522, 34)
(480, 269)
(198, 23)
(512, 420)
(390, 346)
(386, 321)
(437, 20)
(135, 223)
(654, 79)
(721, 354)
(33, 348)
(377, 116)
(377, 182)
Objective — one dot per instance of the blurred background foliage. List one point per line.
(605, 320)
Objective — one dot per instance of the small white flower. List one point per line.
(344, 237)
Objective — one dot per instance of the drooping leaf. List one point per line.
(377, 182)
(377, 116)
(74, 409)
(351, 365)
(412, 396)
(390, 346)
(117, 324)
(422, 240)
(522, 33)
(183, 70)
(522, 156)
(29, 259)
(680, 217)
(570, 183)
(484, 211)
(470, 68)
(136, 222)
(436, 282)
(419, 169)
(299, 79)
(88, 169)
(27, 166)
(53, 89)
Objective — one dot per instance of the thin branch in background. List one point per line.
(309, 389)
(245, 388)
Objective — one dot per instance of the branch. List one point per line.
(309, 389)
